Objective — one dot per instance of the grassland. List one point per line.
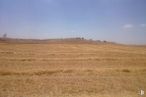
(71, 70)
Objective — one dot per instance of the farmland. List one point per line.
(71, 70)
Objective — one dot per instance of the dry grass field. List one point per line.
(72, 70)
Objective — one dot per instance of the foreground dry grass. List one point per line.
(72, 70)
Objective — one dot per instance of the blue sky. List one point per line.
(122, 21)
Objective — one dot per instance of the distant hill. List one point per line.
(64, 40)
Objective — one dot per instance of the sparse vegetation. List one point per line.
(126, 70)
(71, 70)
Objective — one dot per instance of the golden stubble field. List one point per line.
(72, 70)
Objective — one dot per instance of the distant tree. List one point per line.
(104, 41)
(82, 38)
(5, 35)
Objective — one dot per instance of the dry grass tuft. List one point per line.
(126, 70)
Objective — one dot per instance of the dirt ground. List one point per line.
(72, 70)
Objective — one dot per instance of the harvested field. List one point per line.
(71, 70)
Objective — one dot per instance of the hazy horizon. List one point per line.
(121, 21)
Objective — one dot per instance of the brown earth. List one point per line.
(71, 70)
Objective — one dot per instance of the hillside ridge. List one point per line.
(56, 40)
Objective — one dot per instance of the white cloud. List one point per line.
(134, 28)
(128, 26)
(142, 25)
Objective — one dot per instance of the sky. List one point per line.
(121, 21)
